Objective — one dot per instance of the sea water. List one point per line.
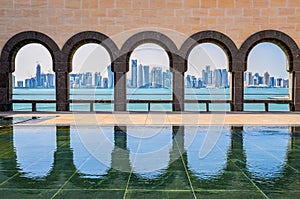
(152, 94)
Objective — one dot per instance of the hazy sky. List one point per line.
(93, 57)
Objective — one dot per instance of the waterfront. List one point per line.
(160, 94)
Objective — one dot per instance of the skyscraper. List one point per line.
(267, 79)
(134, 73)
(225, 83)
(204, 77)
(50, 80)
(20, 84)
(105, 82)
(156, 77)
(188, 81)
(38, 75)
(97, 79)
(146, 77)
(209, 75)
(140, 82)
(43, 80)
(110, 77)
(13, 81)
(217, 78)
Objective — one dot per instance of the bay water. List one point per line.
(151, 94)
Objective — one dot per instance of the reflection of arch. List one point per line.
(143, 152)
(92, 150)
(168, 45)
(285, 42)
(7, 61)
(68, 51)
(26, 141)
(259, 146)
(213, 164)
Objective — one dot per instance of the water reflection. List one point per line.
(154, 156)
(261, 143)
(92, 148)
(34, 150)
(212, 164)
(149, 149)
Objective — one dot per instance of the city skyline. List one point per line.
(264, 56)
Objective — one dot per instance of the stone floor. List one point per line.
(127, 118)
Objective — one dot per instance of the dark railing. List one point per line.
(266, 102)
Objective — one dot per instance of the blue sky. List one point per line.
(92, 57)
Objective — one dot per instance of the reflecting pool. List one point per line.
(148, 161)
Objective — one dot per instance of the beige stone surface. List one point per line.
(60, 19)
(163, 118)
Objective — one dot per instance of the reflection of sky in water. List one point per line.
(40, 141)
(215, 142)
(92, 148)
(149, 149)
(266, 150)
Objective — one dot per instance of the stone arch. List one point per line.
(86, 37)
(289, 47)
(210, 36)
(161, 40)
(7, 61)
(149, 37)
(221, 40)
(285, 42)
(68, 51)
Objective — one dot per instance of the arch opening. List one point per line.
(266, 76)
(149, 77)
(91, 77)
(207, 77)
(33, 78)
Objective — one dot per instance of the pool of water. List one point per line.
(149, 161)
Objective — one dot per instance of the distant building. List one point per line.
(134, 73)
(225, 83)
(13, 81)
(146, 77)
(50, 80)
(156, 77)
(266, 79)
(27, 83)
(217, 78)
(279, 82)
(140, 76)
(110, 77)
(20, 84)
(38, 76)
(97, 79)
(272, 82)
(105, 82)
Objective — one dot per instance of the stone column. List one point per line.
(178, 69)
(120, 91)
(5, 91)
(119, 68)
(62, 91)
(237, 149)
(237, 91)
(296, 91)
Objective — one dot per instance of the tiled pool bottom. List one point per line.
(149, 162)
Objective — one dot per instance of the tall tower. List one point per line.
(146, 76)
(38, 75)
(134, 73)
(140, 76)
(110, 77)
